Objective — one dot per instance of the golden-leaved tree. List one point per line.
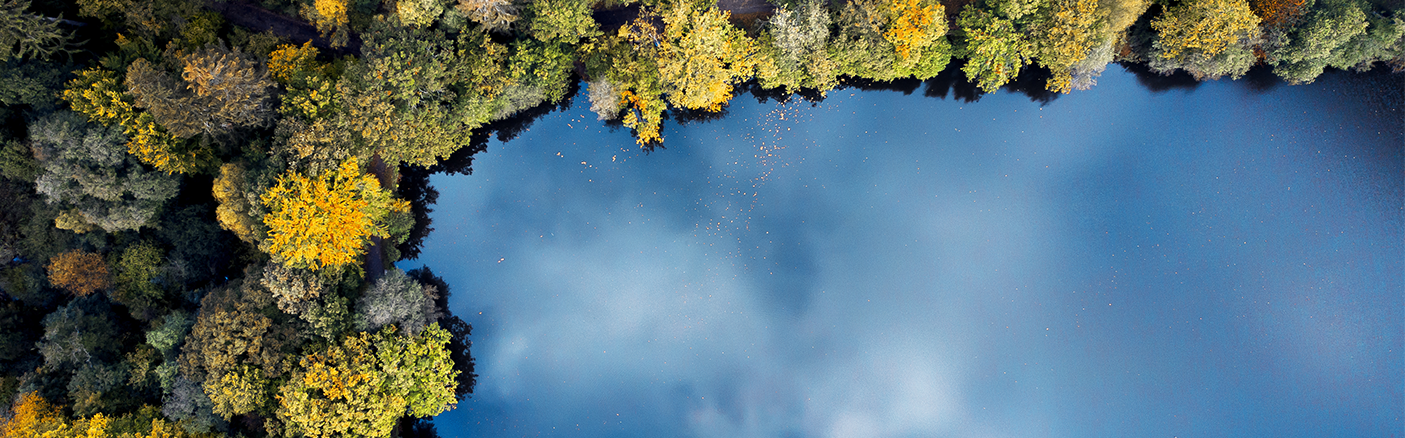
(79, 272)
(702, 55)
(1207, 38)
(325, 221)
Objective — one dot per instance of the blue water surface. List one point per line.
(1214, 261)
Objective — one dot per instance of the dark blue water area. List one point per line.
(1222, 260)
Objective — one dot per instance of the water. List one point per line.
(1214, 261)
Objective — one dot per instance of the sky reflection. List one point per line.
(1207, 262)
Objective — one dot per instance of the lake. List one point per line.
(1218, 260)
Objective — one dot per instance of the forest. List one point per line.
(203, 201)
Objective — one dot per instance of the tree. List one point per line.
(326, 221)
(396, 299)
(222, 90)
(23, 34)
(702, 56)
(78, 333)
(1312, 45)
(97, 93)
(87, 173)
(138, 272)
(32, 416)
(799, 39)
(1384, 40)
(80, 272)
(494, 15)
(996, 49)
(332, 19)
(1207, 38)
(239, 211)
(1066, 38)
(363, 384)
(418, 13)
(295, 290)
(566, 21)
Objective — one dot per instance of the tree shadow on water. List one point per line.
(1160, 83)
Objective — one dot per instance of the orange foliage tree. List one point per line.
(80, 272)
(914, 25)
(325, 221)
(1276, 13)
(31, 416)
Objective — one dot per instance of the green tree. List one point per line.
(798, 40)
(566, 21)
(23, 34)
(89, 175)
(139, 271)
(996, 48)
(1067, 37)
(1383, 40)
(1312, 45)
(1207, 38)
(363, 384)
(702, 56)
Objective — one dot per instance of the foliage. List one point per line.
(96, 92)
(872, 31)
(566, 21)
(23, 34)
(494, 15)
(231, 331)
(1312, 45)
(396, 299)
(702, 56)
(239, 391)
(1384, 40)
(1067, 38)
(418, 13)
(322, 222)
(87, 173)
(294, 290)
(799, 40)
(32, 416)
(1208, 38)
(236, 211)
(363, 384)
(332, 19)
(222, 90)
(31, 83)
(996, 50)
(78, 333)
(80, 272)
(138, 272)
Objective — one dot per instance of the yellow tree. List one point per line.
(1208, 38)
(1067, 37)
(913, 25)
(702, 55)
(32, 416)
(325, 221)
(80, 272)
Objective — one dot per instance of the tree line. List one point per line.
(197, 217)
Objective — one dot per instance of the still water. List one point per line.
(1222, 260)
